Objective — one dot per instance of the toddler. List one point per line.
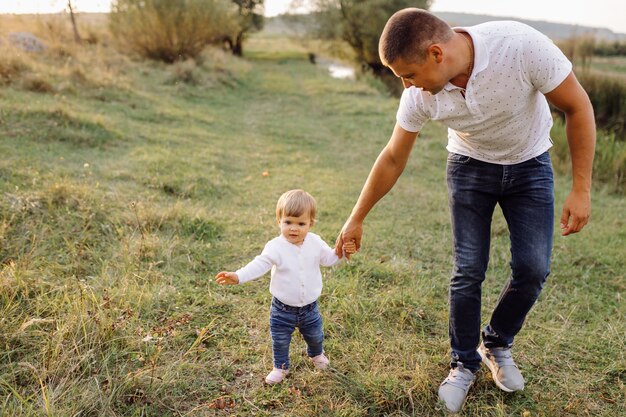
(294, 257)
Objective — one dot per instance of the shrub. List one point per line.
(168, 30)
(12, 66)
(185, 72)
(37, 84)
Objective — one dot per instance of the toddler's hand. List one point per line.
(227, 278)
(349, 247)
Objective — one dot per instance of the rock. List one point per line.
(26, 41)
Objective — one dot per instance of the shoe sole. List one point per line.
(270, 382)
(494, 372)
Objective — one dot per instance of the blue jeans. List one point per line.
(283, 321)
(525, 193)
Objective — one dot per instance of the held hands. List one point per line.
(349, 248)
(227, 278)
(576, 212)
(349, 240)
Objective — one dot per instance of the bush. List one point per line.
(12, 66)
(168, 30)
(615, 48)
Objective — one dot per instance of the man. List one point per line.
(487, 83)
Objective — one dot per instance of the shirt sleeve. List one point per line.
(328, 257)
(410, 115)
(546, 65)
(259, 266)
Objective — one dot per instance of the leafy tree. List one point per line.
(360, 23)
(250, 19)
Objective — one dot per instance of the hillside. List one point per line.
(556, 31)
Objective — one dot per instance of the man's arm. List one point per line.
(572, 99)
(384, 174)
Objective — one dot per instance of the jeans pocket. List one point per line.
(455, 158)
(543, 159)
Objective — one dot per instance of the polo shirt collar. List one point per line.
(481, 56)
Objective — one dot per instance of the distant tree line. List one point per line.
(615, 48)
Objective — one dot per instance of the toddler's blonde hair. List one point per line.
(296, 203)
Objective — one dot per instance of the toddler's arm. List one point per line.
(258, 267)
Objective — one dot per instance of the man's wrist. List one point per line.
(583, 188)
(356, 218)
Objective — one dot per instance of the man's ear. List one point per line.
(436, 52)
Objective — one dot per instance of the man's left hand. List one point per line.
(576, 212)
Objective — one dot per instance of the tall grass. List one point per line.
(609, 165)
(608, 97)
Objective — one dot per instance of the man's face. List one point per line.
(426, 75)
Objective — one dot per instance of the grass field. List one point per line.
(121, 196)
(612, 65)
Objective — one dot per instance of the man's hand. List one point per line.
(227, 278)
(576, 212)
(350, 235)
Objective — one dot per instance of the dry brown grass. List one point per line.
(56, 27)
(65, 65)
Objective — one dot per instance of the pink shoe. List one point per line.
(320, 361)
(276, 376)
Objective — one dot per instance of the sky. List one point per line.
(609, 14)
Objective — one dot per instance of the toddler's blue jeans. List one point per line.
(283, 321)
(525, 193)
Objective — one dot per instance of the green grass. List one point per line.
(118, 204)
(615, 65)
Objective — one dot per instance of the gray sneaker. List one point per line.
(453, 389)
(505, 372)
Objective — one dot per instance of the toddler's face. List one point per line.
(294, 229)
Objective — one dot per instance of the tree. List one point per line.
(250, 20)
(360, 23)
(77, 37)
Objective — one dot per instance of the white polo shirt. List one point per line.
(504, 117)
(296, 276)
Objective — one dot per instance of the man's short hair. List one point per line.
(409, 33)
(295, 203)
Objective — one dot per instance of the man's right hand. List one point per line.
(351, 232)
